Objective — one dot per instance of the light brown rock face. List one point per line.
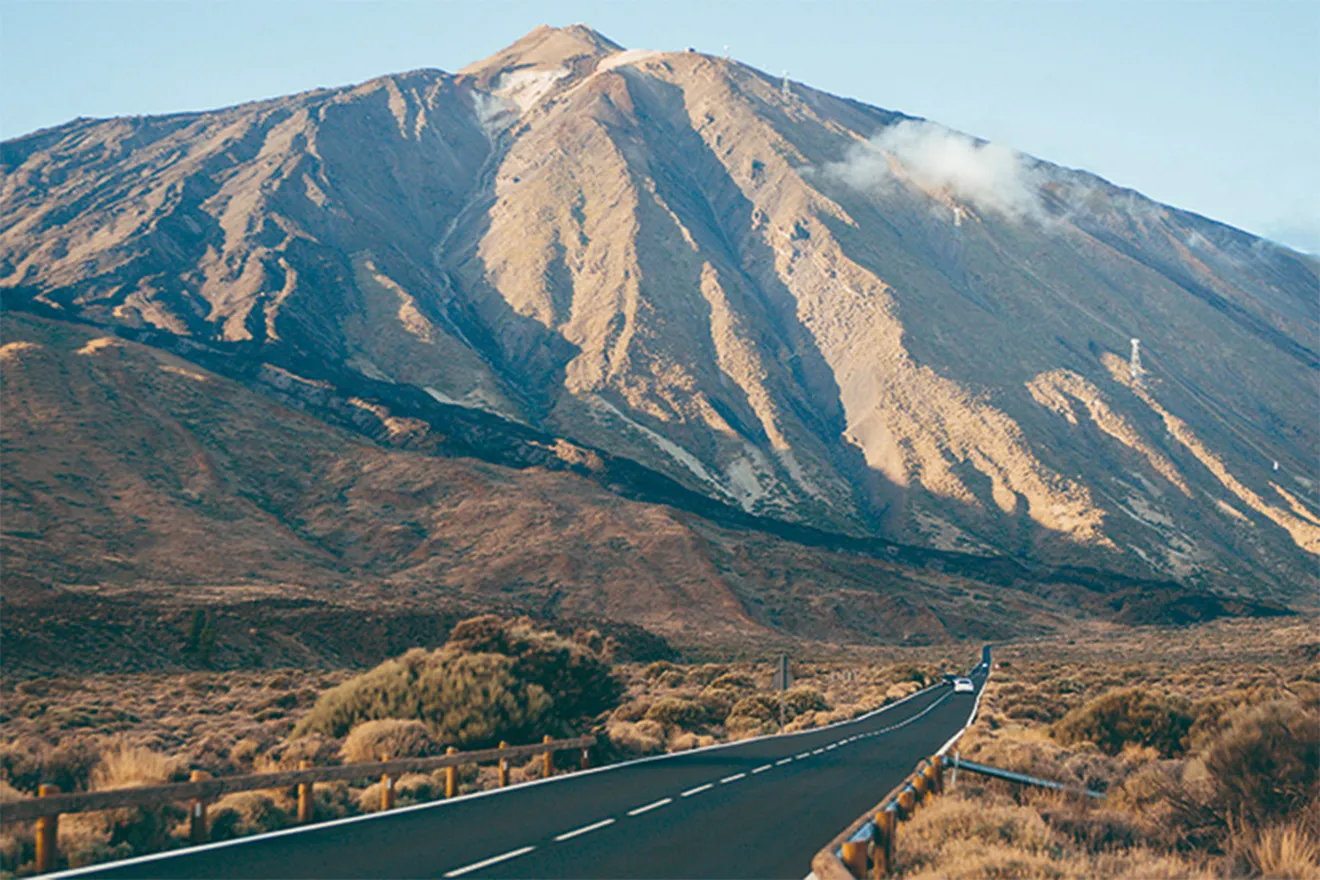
(799, 305)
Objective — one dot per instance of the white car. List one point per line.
(963, 686)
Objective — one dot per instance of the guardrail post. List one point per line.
(48, 834)
(451, 775)
(198, 828)
(586, 759)
(938, 763)
(886, 829)
(953, 779)
(907, 802)
(548, 762)
(504, 767)
(306, 798)
(854, 856)
(386, 792)
(922, 787)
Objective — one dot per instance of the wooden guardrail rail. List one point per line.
(47, 807)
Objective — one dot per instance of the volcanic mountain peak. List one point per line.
(793, 303)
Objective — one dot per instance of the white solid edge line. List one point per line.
(476, 866)
(440, 804)
(734, 778)
(763, 768)
(567, 835)
(698, 790)
(782, 761)
(653, 805)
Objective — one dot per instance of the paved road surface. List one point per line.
(759, 809)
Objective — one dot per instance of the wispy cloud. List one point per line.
(940, 161)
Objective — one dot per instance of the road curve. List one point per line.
(754, 809)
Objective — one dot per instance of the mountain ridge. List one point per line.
(775, 299)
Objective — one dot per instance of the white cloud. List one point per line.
(940, 161)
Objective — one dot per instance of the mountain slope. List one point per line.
(794, 303)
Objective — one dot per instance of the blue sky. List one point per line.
(1209, 106)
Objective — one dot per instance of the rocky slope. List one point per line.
(791, 303)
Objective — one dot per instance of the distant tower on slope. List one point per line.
(726, 51)
(1135, 362)
(783, 87)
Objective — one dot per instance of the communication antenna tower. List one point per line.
(1135, 363)
(726, 51)
(783, 87)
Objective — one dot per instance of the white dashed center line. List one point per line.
(763, 768)
(476, 866)
(817, 751)
(585, 828)
(698, 790)
(782, 761)
(654, 805)
(734, 778)
(801, 756)
(831, 747)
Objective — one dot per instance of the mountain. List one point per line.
(789, 303)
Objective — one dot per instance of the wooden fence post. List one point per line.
(854, 856)
(548, 768)
(451, 775)
(586, 759)
(386, 792)
(306, 798)
(938, 763)
(198, 828)
(504, 767)
(48, 834)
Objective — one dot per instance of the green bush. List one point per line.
(493, 680)
(676, 712)
(1129, 715)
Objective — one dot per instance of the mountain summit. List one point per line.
(794, 304)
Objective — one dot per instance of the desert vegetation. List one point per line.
(493, 679)
(1205, 741)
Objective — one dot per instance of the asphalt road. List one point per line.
(757, 809)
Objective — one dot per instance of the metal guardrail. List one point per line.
(958, 763)
(50, 804)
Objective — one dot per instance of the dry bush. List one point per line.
(387, 739)
(635, 739)
(247, 812)
(1288, 850)
(1129, 715)
(804, 699)
(1264, 765)
(677, 712)
(718, 701)
(494, 680)
(125, 765)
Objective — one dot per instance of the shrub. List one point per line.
(671, 679)
(388, 738)
(759, 707)
(654, 670)
(1129, 715)
(1265, 765)
(469, 700)
(804, 699)
(637, 739)
(734, 681)
(246, 812)
(579, 681)
(718, 701)
(676, 712)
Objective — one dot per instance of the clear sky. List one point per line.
(1209, 106)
